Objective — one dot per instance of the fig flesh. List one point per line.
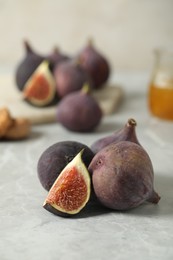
(55, 158)
(79, 111)
(40, 89)
(122, 176)
(70, 77)
(71, 190)
(127, 133)
(27, 66)
(95, 64)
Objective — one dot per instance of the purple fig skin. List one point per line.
(56, 57)
(54, 159)
(122, 176)
(95, 64)
(70, 77)
(27, 66)
(79, 112)
(127, 133)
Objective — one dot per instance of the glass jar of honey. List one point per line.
(161, 86)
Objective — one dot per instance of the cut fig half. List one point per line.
(71, 190)
(40, 89)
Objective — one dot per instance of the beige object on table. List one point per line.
(108, 98)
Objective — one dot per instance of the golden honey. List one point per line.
(161, 101)
(160, 94)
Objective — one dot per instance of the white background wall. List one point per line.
(125, 30)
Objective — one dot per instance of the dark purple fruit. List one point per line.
(79, 111)
(122, 176)
(95, 64)
(127, 133)
(27, 66)
(55, 158)
(71, 190)
(56, 57)
(69, 77)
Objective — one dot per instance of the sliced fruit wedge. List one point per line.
(71, 190)
(40, 89)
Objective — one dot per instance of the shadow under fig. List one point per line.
(93, 209)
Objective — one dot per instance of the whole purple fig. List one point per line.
(69, 77)
(127, 133)
(79, 111)
(122, 176)
(95, 64)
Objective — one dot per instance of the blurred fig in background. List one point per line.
(69, 77)
(56, 57)
(95, 64)
(40, 89)
(79, 111)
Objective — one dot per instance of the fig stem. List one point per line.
(27, 47)
(90, 42)
(56, 50)
(86, 88)
(131, 122)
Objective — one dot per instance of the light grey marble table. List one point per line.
(27, 231)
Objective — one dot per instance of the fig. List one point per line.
(40, 89)
(55, 158)
(122, 176)
(55, 57)
(71, 190)
(69, 77)
(27, 66)
(127, 133)
(79, 111)
(95, 64)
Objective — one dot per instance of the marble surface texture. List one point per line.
(27, 231)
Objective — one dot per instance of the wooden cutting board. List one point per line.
(109, 98)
